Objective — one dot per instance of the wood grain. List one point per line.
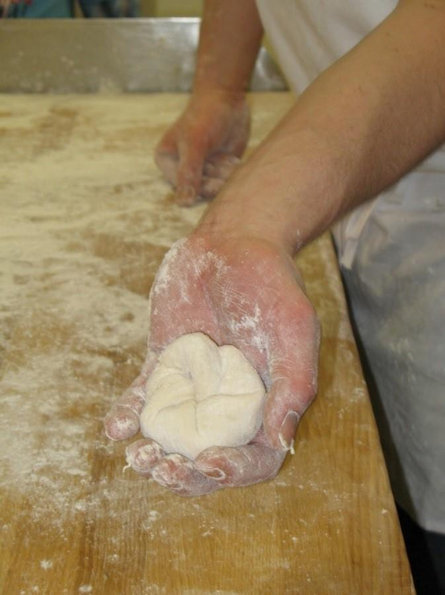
(85, 225)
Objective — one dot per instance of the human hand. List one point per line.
(202, 148)
(245, 293)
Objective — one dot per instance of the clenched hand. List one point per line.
(202, 148)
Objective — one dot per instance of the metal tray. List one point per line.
(115, 55)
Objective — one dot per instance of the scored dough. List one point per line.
(202, 395)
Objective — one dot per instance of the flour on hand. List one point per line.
(201, 395)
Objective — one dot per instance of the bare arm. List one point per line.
(358, 128)
(365, 122)
(229, 40)
(199, 152)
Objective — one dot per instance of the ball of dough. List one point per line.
(202, 395)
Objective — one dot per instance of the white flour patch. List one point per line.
(46, 564)
(84, 225)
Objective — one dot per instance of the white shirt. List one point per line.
(392, 251)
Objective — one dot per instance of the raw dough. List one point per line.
(202, 395)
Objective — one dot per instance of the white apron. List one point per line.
(392, 254)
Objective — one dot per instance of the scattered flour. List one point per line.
(85, 221)
(46, 564)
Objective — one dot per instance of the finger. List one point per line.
(189, 173)
(168, 143)
(217, 170)
(179, 475)
(240, 466)
(294, 379)
(143, 455)
(122, 421)
(166, 156)
(210, 186)
(282, 413)
(221, 165)
(168, 164)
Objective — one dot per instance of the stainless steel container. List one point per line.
(108, 55)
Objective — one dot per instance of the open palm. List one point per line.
(245, 293)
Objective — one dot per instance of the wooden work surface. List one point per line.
(85, 220)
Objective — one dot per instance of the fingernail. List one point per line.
(213, 473)
(185, 195)
(163, 477)
(120, 425)
(160, 475)
(288, 429)
(142, 458)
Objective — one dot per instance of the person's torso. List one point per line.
(308, 35)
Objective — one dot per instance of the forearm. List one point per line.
(230, 37)
(358, 128)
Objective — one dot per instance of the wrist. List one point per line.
(250, 206)
(232, 219)
(206, 92)
(286, 193)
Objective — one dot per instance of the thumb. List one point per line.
(189, 173)
(284, 408)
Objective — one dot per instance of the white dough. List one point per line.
(202, 395)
